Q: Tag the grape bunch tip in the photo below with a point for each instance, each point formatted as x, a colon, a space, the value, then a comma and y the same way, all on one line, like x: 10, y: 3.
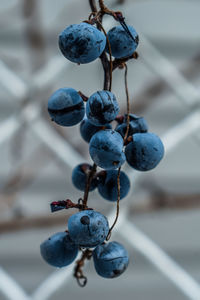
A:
x: 130, y: 141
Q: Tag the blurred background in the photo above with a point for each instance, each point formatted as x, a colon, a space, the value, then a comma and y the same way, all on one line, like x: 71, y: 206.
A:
x: 37, y: 156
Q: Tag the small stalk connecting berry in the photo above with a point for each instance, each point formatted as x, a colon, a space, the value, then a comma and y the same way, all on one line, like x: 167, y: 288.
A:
x: 88, y: 231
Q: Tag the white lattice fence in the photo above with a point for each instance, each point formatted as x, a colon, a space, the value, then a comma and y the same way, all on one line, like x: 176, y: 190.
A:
x: 31, y: 116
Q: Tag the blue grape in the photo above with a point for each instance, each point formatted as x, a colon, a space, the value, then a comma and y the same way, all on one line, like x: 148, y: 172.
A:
x: 81, y: 43
x: 107, y: 185
x: 66, y: 107
x: 106, y: 149
x: 102, y: 108
x: 137, y: 124
x: 88, y: 129
x: 110, y: 260
x: 88, y: 228
x: 145, y: 151
x: 59, y: 250
x: 122, y: 45
x: 80, y: 175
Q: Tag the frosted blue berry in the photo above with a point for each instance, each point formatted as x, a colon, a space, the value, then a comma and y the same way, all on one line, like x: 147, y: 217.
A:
x: 59, y: 250
x: 81, y: 43
x: 102, y: 108
x: 122, y: 45
x: 107, y: 185
x: 87, y: 129
x: 66, y: 107
x: 106, y: 149
x: 79, y: 177
x: 88, y: 228
x: 136, y: 124
x: 145, y: 151
x: 110, y: 260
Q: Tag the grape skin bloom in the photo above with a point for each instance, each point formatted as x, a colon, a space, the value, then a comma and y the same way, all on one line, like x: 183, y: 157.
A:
x: 110, y: 260
x: 106, y: 149
x: 107, y: 186
x: 136, y: 124
x: 122, y: 45
x: 87, y: 129
x: 82, y: 43
x: 145, y: 151
x: 79, y: 177
x: 88, y: 228
x: 102, y: 108
x: 59, y: 250
x: 66, y: 107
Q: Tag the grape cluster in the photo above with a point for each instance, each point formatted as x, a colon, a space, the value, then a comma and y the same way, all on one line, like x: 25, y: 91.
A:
x: 109, y: 148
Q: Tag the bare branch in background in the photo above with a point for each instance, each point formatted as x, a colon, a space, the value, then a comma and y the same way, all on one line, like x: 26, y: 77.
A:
x: 120, y: 1
x: 153, y: 90
x: 34, y: 35
x: 178, y: 202
x: 23, y: 176
x: 25, y: 223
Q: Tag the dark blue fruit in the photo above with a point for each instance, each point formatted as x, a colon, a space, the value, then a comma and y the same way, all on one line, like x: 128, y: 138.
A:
x: 110, y: 260
x: 81, y: 43
x: 79, y: 177
x: 88, y: 129
x: 66, y: 107
x: 107, y: 185
x: 122, y: 45
x: 102, y: 108
x: 88, y: 228
x: 106, y: 149
x: 136, y: 124
x: 145, y: 151
x: 59, y: 250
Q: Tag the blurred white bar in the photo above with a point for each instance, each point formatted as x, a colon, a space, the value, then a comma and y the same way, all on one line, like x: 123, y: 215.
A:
x: 6, y: 6
x: 13, y: 83
x: 178, y: 276
x: 52, y: 283
x: 166, y: 70
x: 8, y: 128
x: 40, y: 80
x: 161, y: 66
x: 60, y: 147
x: 10, y: 288
x: 12, y: 124
x: 190, y: 125
x: 50, y: 72
x: 19, y: 91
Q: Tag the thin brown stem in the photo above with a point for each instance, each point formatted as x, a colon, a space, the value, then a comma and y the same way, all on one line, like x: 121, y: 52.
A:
x: 110, y: 56
x: 102, y: 5
x: 125, y: 138
x: 119, y: 62
x: 104, y: 60
x: 66, y: 204
x: 127, y: 101
x: 78, y: 272
x: 87, y: 188
x: 117, y: 211
x: 105, y: 64
x: 93, y: 5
